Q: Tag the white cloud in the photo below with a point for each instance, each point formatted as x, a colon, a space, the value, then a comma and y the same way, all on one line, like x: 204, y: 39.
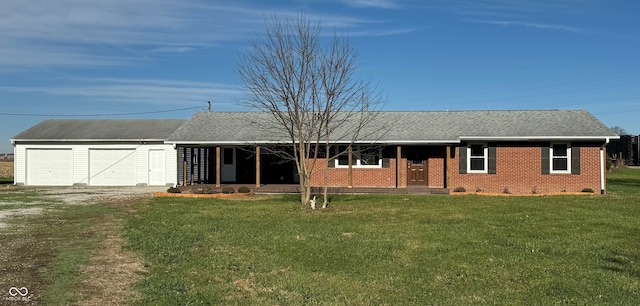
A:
x: 385, y: 4
x: 531, y: 25
x: 138, y: 91
x: 82, y: 33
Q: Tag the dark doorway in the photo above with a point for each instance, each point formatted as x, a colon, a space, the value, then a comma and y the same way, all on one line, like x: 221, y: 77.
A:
x: 275, y: 170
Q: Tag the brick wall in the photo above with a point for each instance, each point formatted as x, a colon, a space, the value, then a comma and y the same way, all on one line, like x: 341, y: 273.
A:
x: 518, y: 170
x: 361, y: 177
x: 435, y: 172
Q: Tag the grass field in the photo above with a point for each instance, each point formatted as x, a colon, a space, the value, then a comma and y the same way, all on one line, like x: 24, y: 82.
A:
x: 363, y: 250
x: 396, y: 249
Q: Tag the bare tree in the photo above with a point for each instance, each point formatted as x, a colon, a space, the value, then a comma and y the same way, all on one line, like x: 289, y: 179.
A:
x: 310, y: 90
x: 619, y: 130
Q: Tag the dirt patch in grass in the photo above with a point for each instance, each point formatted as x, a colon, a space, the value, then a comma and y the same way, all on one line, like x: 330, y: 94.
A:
x: 112, y: 270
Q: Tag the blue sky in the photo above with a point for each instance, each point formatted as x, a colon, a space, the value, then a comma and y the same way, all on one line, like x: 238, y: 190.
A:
x: 166, y: 58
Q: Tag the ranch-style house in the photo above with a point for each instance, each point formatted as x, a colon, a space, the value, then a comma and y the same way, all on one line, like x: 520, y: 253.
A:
x: 520, y: 152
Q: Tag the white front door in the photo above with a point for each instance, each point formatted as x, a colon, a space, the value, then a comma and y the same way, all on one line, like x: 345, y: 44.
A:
x: 228, y: 167
x: 156, y: 168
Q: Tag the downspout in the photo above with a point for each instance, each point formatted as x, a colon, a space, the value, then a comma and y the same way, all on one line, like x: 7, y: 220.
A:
x: 603, y: 166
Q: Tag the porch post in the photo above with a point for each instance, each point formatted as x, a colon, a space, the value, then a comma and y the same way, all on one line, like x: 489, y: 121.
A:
x: 191, y: 167
x: 184, y: 166
x: 447, y: 167
x: 217, y: 166
x: 398, y: 163
x: 257, y: 166
x: 200, y: 166
x: 206, y: 165
x: 350, y: 171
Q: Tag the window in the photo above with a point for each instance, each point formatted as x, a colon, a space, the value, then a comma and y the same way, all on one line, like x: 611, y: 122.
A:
x: 560, y: 158
x: 477, y: 158
x: 362, y: 157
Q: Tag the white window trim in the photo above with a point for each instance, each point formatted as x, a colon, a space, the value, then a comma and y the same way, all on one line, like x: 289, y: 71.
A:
x: 568, y: 171
x: 485, y: 149
x: 357, y: 163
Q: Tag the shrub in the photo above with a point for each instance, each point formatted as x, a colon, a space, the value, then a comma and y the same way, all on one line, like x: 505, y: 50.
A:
x: 174, y: 190
x: 244, y: 189
x: 459, y: 189
x: 227, y: 189
x: 587, y: 190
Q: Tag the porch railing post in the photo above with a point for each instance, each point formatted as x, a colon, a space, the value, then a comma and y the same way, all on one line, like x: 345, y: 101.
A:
x: 257, y: 166
x: 217, y: 166
x: 398, y: 168
x: 447, y: 166
x: 350, y: 171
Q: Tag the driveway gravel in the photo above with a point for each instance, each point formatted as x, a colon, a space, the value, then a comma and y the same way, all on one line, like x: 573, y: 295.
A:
x: 70, y: 196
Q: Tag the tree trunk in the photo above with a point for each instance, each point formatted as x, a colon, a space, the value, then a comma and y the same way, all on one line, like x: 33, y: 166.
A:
x: 325, y: 198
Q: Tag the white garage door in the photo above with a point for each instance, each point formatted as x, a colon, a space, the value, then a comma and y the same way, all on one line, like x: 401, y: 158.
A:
x: 112, y: 167
x: 49, y: 167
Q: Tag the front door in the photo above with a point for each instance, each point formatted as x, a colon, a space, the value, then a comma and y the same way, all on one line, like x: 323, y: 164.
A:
x: 416, y: 174
x: 228, y: 167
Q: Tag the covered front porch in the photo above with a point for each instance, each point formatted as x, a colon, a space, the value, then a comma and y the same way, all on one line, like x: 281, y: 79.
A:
x: 220, y: 165
x: 406, y: 168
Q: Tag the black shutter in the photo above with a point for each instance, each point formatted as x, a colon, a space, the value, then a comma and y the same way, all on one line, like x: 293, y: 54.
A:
x: 575, y: 159
x: 386, y: 163
x: 546, y: 163
x: 492, y: 159
x: 331, y: 163
x: 462, y: 159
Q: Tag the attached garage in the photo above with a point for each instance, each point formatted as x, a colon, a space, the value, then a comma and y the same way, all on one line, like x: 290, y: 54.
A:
x: 96, y: 153
x: 49, y: 167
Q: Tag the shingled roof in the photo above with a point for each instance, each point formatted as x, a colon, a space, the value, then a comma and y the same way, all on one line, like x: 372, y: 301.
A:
x: 101, y: 130
x: 405, y: 127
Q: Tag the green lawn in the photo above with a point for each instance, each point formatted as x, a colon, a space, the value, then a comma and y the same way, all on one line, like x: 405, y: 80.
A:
x: 393, y: 249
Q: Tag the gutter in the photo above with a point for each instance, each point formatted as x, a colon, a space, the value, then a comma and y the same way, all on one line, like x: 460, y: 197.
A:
x: 603, y: 166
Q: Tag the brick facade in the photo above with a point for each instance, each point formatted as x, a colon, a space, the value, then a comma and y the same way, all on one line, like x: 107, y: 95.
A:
x: 518, y: 171
x: 361, y: 177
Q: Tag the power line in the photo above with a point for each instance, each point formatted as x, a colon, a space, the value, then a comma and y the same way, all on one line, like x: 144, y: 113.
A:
x: 97, y: 115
